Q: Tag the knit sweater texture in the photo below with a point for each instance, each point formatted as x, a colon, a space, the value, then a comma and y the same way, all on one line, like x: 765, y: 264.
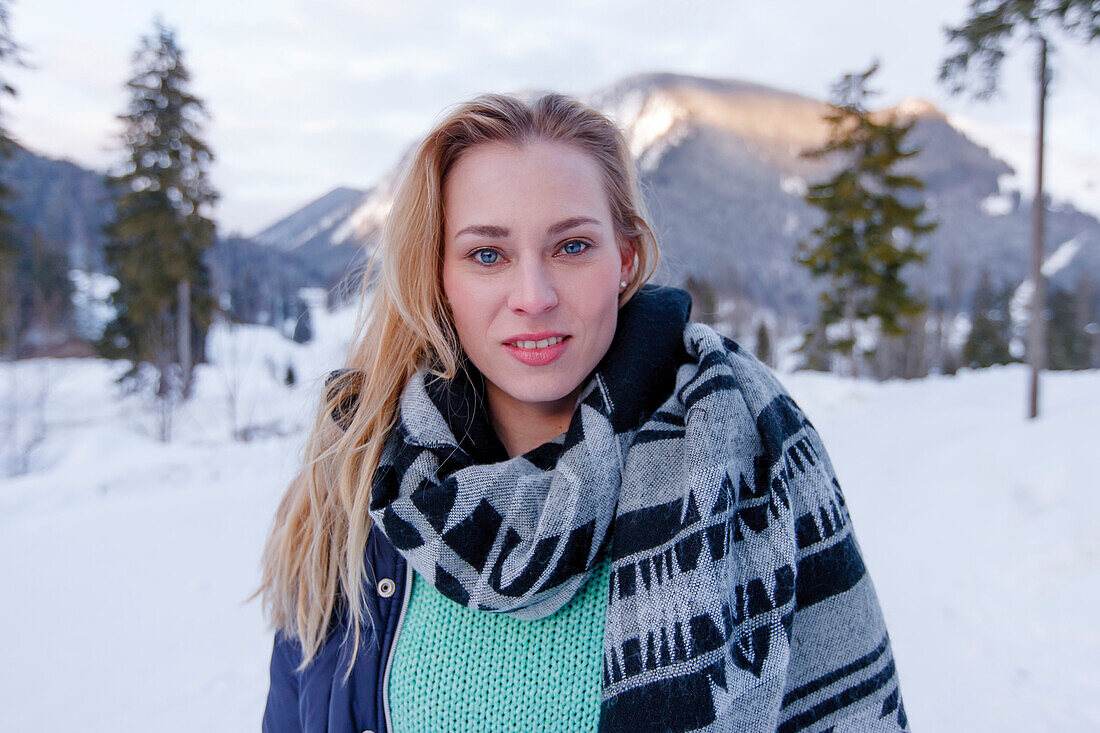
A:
x: 458, y: 668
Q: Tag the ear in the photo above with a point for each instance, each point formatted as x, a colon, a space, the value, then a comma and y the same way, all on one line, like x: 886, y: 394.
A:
x: 627, y: 249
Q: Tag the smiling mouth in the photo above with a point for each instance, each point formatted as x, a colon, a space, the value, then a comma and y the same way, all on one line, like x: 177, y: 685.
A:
x: 533, y: 345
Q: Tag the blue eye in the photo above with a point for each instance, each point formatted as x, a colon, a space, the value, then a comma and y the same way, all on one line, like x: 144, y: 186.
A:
x: 482, y: 260
x: 566, y: 246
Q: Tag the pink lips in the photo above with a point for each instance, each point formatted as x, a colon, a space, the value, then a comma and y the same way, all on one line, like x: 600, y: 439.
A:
x: 537, y: 357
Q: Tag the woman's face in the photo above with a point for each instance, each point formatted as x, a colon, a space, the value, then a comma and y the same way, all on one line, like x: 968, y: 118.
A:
x: 531, y: 268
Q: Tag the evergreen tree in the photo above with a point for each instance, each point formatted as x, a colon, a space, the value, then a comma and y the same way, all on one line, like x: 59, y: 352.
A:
x: 905, y: 355
x: 990, y: 326
x: 704, y: 304
x: 9, y: 249
x: 157, y: 240
x: 45, y: 296
x: 979, y: 44
x: 303, y: 324
x: 857, y: 245
x: 1068, y: 345
x: 815, y: 355
x: 763, y: 349
x: 1088, y: 311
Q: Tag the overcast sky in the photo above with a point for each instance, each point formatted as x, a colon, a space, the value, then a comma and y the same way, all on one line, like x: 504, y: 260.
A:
x: 306, y: 96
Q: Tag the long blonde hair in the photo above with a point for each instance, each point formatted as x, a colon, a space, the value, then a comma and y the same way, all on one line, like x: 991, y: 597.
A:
x: 313, y: 562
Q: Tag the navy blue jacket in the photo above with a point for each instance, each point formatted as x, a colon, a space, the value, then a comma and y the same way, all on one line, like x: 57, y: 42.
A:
x: 317, y: 698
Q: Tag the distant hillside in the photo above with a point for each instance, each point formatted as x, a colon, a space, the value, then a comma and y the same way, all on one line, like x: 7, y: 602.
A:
x: 65, y: 207
x: 313, y: 232
x: 63, y: 202
x: 721, y: 172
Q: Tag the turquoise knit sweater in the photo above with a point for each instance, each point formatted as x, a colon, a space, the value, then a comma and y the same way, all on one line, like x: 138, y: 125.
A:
x: 457, y: 668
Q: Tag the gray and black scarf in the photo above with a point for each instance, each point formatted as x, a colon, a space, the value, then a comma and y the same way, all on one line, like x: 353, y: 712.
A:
x: 739, y: 600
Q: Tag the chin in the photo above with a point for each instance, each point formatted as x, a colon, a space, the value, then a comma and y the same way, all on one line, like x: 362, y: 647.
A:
x: 539, y: 390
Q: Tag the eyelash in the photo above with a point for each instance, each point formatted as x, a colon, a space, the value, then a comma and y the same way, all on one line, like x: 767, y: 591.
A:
x: 474, y: 255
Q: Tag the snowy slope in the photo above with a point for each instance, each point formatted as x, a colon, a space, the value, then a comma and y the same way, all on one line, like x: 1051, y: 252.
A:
x: 126, y: 562
x: 1068, y: 177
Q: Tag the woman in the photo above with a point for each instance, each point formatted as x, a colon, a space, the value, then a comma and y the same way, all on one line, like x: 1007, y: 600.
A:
x: 539, y: 498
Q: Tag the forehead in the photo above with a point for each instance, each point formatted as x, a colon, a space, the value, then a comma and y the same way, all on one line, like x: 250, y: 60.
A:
x: 500, y: 184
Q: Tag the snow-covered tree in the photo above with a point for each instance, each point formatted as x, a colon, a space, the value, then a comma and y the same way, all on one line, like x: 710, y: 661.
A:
x: 161, y: 230
x: 868, y: 232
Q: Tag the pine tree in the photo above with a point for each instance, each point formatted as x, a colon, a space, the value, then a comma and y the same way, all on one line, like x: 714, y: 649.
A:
x: 303, y: 323
x: 857, y: 245
x: 164, y: 303
x: 45, y: 294
x: 763, y: 348
x: 1068, y: 345
x: 990, y: 326
x: 704, y: 304
x: 979, y: 44
x: 815, y: 354
x: 9, y: 250
x: 907, y: 355
x: 1087, y: 299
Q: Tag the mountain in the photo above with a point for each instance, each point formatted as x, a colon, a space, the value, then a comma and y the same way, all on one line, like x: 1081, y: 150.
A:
x: 725, y: 180
x: 313, y: 223
x: 316, y: 232
x: 65, y: 204
x: 1068, y: 178
x: 337, y: 231
x: 65, y: 207
x: 722, y: 176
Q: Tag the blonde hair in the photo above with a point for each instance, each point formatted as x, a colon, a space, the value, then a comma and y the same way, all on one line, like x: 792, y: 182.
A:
x: 313, y: 562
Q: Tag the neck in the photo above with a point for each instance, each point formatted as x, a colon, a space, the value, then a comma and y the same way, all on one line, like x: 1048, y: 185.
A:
x: 523, y: 426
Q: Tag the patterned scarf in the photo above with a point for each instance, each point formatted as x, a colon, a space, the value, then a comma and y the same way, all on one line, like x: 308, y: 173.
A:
x: 739, y: 600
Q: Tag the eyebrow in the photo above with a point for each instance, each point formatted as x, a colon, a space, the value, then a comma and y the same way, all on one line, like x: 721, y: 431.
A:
x: 495, y: 232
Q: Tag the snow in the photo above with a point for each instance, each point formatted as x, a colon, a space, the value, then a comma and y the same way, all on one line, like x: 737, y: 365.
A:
x: 916, y: 107
x: 1020, y: 303
x: 654, y: 122
x: 790, y: 223
x: 325, y: 222
x: 1061, y: 257
x: 371, y: 214
x: 793, y: 185
x: 126, y: 562
x: 977, y: 527
x: 90, y: 298
x: 1067, y: 176
x: 998, y: 204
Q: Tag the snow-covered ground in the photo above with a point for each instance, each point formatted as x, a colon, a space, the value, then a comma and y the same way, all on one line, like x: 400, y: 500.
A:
x: 126, y: 562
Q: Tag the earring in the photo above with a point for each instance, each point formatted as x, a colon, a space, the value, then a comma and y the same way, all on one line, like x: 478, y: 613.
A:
x: 622, y: 284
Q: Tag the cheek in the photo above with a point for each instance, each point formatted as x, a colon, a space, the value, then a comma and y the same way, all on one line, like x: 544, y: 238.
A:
x: 601, y: 290
x: 466, y: 302
x: 596, y: 301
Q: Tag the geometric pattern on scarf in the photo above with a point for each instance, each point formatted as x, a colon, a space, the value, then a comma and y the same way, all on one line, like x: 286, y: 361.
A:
x: 739, y: 600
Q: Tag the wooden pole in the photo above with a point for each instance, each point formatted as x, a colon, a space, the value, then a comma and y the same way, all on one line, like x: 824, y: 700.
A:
x: 183, y: 333
x: 1036, y: 351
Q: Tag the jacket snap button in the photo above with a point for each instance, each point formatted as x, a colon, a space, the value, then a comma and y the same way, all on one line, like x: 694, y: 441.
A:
x: 385, y: 587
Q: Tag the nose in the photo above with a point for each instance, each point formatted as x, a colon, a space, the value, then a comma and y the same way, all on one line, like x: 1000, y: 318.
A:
x: 532, y: 289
